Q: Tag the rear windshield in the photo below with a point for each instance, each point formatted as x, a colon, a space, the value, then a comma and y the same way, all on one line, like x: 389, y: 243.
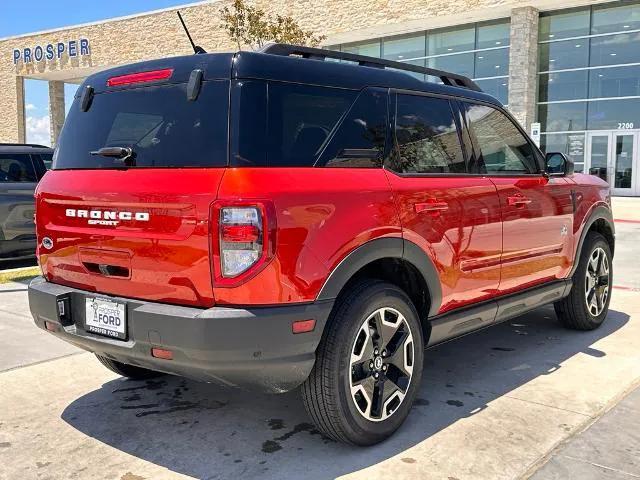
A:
x: 158, y: 123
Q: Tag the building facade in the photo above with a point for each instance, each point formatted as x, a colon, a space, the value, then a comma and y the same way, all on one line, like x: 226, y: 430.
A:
x: 573, y: 66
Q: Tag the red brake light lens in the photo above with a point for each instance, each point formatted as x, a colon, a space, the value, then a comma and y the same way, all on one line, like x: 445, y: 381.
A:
x: 240, y: 233
x: 140, y: 77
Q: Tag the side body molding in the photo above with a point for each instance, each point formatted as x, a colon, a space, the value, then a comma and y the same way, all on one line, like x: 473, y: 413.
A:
x: 376, y: 250
x: 598, y: 213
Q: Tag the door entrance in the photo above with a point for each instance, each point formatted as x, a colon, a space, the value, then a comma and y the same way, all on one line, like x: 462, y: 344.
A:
x: 613, y: 156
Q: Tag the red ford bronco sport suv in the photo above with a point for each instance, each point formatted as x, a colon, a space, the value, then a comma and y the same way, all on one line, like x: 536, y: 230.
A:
x: 273, y: 220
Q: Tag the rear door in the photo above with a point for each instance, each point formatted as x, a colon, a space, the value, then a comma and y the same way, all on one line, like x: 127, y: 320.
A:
x: 537, y: 211
x: 17, y: 183
x: 136, y: 226
x: 454, y: 217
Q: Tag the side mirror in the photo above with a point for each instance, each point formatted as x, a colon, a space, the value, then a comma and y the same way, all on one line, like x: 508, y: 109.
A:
x: 558, y: 165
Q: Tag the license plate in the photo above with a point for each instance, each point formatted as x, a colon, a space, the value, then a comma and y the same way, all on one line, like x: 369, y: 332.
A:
x: 106, y: 317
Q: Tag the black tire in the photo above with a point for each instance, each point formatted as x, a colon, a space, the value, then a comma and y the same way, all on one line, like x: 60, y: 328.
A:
x: 130, y: 371
x: 572, y: 310
x: 327, y: 393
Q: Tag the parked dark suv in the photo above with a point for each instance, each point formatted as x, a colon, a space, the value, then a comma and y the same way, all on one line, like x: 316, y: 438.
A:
x: 22, y: 165
x: 274, y: 220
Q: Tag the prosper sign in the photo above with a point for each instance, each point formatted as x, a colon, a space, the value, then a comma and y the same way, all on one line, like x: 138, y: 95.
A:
x: 73, y: 48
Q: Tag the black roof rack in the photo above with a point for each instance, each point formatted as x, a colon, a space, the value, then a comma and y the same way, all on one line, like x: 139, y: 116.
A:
x: 33, y: 145
x: 448, y: 78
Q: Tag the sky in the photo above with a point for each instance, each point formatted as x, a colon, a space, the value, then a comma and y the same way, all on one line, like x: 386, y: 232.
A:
x: 26, y: 16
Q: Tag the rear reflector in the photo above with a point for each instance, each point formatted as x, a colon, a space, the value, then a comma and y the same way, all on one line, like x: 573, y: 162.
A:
x: 303, y: 326
x: 140, y: 77
x: 52, y: 327
x: 162, y: 353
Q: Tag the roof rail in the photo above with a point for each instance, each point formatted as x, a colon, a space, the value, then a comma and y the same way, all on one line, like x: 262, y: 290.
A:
x: 33, y: 145
x: 448, y: 78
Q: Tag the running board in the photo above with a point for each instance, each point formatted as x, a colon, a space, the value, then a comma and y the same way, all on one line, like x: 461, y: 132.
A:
x: 460, y: 322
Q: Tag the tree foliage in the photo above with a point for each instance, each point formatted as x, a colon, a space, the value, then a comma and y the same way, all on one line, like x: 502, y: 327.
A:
x: 248, y: 25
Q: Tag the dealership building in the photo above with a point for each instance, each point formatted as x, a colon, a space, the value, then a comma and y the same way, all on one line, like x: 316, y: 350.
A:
x: 571, y: 66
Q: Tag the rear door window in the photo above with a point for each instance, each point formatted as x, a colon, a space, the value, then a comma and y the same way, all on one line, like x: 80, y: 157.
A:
x: 284, y: 125
x: 162, y: 127
x: 427, y: 136
x: 16, y: 168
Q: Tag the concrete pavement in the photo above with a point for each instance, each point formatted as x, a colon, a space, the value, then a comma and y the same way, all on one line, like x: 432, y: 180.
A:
x: 21, y: 342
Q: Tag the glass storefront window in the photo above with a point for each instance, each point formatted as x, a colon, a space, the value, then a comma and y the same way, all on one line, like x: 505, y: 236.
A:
x: 496, y: 87
x: 461, y: 64
x: 615, y: 49
x: 571, y: 144
x: 614, y: 114
x: 562, y: 86
x: 492, y: 63
x: 614, y: 82
x: 563, y: 117
x: 565, y: 54
x: 370, y: 49
x: 403, y: 48
x: 493, y: 35
x: 442, y: 42
x: 618, y: 18
x: 572, y: 23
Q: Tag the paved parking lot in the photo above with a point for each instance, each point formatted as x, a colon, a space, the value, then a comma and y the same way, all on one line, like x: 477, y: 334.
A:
x: 496, y: 404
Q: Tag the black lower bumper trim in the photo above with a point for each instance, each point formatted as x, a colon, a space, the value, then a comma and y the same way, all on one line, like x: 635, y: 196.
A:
x: 251, y: 348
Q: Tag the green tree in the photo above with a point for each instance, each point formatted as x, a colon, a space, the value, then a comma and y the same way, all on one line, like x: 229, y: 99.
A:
x: 248, y: 25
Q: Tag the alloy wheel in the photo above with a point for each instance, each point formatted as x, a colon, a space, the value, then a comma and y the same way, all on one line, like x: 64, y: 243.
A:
x: 597, y: 282
x: 381, y: 364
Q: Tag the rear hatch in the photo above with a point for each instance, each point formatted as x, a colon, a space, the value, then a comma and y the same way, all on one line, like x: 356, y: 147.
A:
x: 125, y: 208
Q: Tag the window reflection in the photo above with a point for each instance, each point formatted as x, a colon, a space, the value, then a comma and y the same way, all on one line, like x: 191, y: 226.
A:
x: 427, y: 137
x: 571, y: 23
x: 614, y: 82
x: 562, y: 86
x: 563, y: 117
x: 493, y: 35
x: 492, y: 63
x: 611, y: 114
x: 615, y: 49
x: 565, y: 54
x: 461, y: 64
x: 370, y: 49
x: 496, y: 87
x: 450, y: 41
x: 403, y: 48
x: 607, y: 18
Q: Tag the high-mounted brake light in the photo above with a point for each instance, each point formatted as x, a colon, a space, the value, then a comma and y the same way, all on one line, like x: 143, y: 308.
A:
x: 140, y: 77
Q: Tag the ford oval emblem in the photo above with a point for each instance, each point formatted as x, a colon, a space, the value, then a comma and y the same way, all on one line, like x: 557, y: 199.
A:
x: 47, y: 243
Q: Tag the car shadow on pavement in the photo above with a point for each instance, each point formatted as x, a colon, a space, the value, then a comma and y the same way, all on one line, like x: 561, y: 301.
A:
x: 206, y: 431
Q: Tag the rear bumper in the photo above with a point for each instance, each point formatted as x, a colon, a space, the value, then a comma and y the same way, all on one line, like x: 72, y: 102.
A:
x: 250, y: 348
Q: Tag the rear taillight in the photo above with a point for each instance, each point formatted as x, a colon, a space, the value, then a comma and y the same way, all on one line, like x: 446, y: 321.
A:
x: 241, y: 239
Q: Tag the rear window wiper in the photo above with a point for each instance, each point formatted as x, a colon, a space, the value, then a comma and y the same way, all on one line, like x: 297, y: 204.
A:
x: 126, y: 154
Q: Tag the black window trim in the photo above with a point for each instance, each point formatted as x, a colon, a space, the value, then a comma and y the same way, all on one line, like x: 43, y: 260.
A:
x: 456, y: 102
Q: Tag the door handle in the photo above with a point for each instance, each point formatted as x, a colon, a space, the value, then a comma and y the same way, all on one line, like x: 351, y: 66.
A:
x: 431, y: 207
x: 518, y: 201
